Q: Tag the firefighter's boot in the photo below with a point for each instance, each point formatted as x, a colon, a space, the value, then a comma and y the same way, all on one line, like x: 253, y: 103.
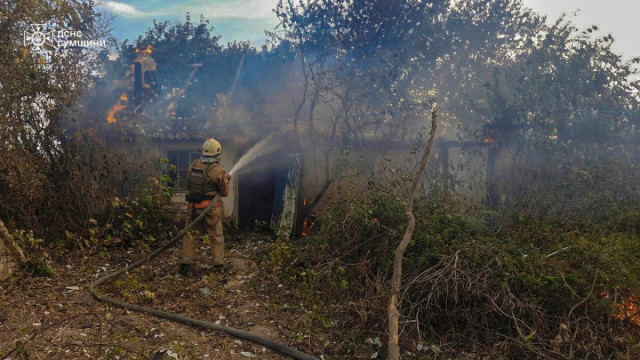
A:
x: 218, y: 254
x: 188, y: 255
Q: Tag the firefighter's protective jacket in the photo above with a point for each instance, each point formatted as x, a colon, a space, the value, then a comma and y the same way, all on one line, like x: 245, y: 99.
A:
x: 207, y: 179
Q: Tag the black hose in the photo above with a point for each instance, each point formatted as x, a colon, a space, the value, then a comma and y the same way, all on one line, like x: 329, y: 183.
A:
x: 246, y: 335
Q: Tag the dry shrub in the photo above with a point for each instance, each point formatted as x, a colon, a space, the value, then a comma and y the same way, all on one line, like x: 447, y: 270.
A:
x: 22, y: 187
x: 67, y: 194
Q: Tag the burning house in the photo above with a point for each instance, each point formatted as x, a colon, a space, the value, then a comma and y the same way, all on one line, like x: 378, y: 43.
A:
x: 282, y: 183
x: 266, y: 196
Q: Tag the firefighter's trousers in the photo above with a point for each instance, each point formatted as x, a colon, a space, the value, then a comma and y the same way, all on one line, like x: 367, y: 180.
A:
x: 211, y: 226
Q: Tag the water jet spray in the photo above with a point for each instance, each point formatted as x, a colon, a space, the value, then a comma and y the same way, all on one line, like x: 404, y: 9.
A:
x: 263, y: 147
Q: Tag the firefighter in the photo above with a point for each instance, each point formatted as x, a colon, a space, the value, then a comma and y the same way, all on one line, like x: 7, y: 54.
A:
x: 207, y: 181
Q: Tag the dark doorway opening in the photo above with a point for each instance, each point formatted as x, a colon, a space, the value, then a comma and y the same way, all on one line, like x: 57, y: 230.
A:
x: 268, y: 194
x: 256, y: 192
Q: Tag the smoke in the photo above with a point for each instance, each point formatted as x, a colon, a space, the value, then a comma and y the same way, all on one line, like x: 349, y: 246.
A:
x: 266, y: 146
x: 337, y: 106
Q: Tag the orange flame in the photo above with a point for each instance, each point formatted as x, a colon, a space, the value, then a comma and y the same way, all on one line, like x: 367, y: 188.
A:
x: 118, y: 107
x: 305, y: 225
x: 305, y: 222
x: 111, y: 117
x: 630, y: 309
x: 145, y: 51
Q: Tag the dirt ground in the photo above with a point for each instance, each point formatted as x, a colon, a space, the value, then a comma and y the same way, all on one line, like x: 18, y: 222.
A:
x: 56, y: 318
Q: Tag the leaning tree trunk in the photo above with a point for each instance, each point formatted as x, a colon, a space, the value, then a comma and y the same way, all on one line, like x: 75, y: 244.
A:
x: 392, y: 311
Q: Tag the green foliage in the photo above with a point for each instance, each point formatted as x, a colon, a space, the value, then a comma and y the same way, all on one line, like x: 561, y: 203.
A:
x: 132, y: 287
x: 38, y: 263
x: 37, y: 169
x: 27, y: 241
x: 279, y: 254
x: 80, y: 187
x: 42, y: 269
x: 474, y: 276
x: 140, y: 218
x: 567, y: 89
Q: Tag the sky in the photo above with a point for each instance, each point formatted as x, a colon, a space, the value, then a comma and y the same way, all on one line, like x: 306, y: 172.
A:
x: 248, y: 19
x: 615, y: 17
x: 232, y: 19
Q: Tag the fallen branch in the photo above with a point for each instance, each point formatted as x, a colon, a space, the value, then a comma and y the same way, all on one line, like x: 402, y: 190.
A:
x: 396, y: 280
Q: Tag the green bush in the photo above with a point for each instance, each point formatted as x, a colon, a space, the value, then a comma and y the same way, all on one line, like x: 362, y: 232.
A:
x: 140, y: 218
x: 513, y: 285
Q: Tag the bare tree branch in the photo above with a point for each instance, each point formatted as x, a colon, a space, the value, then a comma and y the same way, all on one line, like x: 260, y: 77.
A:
x: 396, y: 280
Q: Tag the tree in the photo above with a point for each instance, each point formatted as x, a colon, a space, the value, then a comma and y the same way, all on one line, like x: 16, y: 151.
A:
x: 39, y: 91
x: 568, y: 89
x: 31, y: 110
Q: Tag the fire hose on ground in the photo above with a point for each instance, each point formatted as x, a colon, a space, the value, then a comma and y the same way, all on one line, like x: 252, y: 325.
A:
x: 246, y: 335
